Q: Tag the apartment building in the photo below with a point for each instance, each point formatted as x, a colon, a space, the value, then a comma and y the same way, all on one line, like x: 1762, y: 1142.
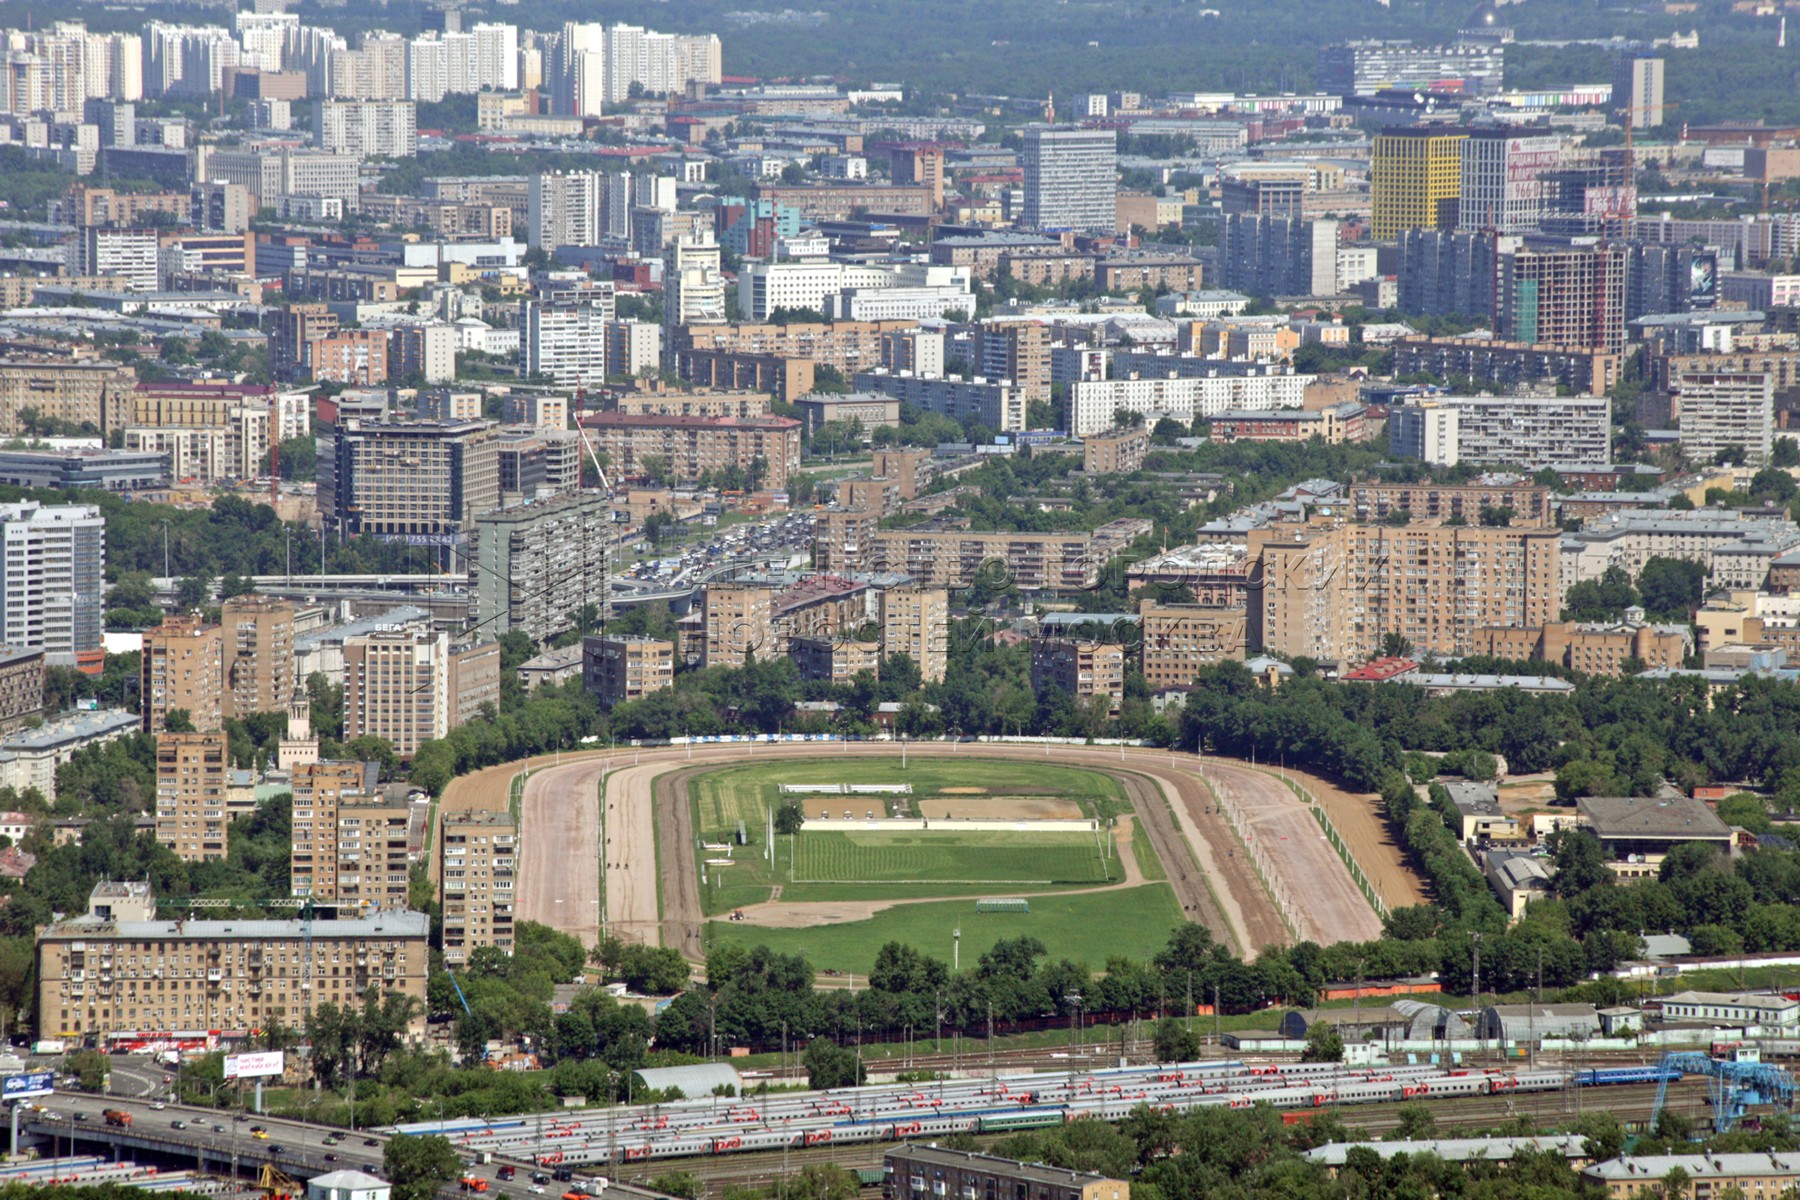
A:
x: 1717, y: 412
x: 1083, y: 669
x: 843, y: 538
x: 1071, y: 178
x: 96, y: 393
x: 1709, y: 1176
x: 1333, y: 592
x: 767, y: 448
x: 407, y: 478
x: 478, y: 873
x: 358, y: 357
x: 915, y: 621
x: 52, y: 579
x: 1094, y: 404
x: 947, y: 555
x: 1592, y: 648
x: 565, y: 209
x: 921, y: 1172
x: 397, y: 687
x: 1523, y: 502
x: 1346, y: 422
x: 1529, y: 432
x: 534, y: 567
x: 115, y: 969
x: 350, y: 840
x: 1585, y: 372
x: 820, y: 606
x: 190, y: 795
x: 996, y: 403
x: 1118, y: 453
x: 257, y: 648
x: 739, y: 619
x: 21, y: 685
x: 183, y: 669
x: 847, y: 346
x: 1179, y: 639
x: 833, y: 659
x: 1737, y: 549
x: 1415, y: 180
x: 565, y: 337
x: 619, y: 668
x: 1570, y: 297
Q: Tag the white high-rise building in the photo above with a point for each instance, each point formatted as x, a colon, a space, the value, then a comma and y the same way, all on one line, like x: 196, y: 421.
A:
x: 564, y: 209
x: 366, y: 128
x: 1718, y: 411
x: 1071, y: 178
x: 565, y: 337
x: 625, y: 61
x: 427, y: 70
x: 693, y: 283
x: 459, y: 64
x: 266, y: 37
x: 126, y: 52
x: 1504, y: 179
x: 52, y: 589
x: 496, y: 56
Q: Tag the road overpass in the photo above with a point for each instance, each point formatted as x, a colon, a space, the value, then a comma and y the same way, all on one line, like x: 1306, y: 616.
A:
x: 215, y: 1142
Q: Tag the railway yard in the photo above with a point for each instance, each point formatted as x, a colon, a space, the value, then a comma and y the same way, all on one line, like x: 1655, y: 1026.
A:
x: 722, y: 1126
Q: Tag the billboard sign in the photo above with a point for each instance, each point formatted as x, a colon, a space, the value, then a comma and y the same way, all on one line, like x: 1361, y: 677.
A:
x: 261, y: 1065
x: 1703, y: 281
x: 17, y: 1087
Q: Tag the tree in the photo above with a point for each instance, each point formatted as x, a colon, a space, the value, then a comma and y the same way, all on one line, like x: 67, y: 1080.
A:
x: 89, y: 1068
x: 420, y: 1166
x: 1395, y: 645
x: 789, y: 818
x: 1323, y: 1043
x: 829, y: 1065
x: 193, y: 591
x: 1672, y: 588
x: 1175, y: 1042
x: 1413, y: 1122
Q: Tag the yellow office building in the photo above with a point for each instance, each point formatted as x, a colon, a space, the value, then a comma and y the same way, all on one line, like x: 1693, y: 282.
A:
x: 1415, y: 179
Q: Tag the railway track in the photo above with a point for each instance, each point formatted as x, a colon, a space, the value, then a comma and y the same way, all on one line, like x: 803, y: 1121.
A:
x: 1473, y: 1114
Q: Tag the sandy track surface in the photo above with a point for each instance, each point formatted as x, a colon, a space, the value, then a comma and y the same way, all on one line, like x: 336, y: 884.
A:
x: 559, y: 874
x: 1192, y: 842
x: 1325, y: 904
x: 1362, y: 824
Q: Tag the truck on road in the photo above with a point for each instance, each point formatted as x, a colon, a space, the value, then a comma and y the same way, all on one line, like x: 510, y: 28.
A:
x: 114, y: 1117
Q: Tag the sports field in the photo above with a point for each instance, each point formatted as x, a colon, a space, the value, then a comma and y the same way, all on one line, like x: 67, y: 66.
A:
x: 832, y: 865
x: 1088, y: 928
x: 950, y: 856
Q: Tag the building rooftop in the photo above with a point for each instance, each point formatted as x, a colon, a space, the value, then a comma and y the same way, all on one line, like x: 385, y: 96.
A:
x: 1675, y: 818
x: 392, y: 924
x: 1039, y: 1173
x: 401, y: 615
x: 1652, y: 1169
x: 1491, y: 1149
x: 696, y: 1082
x: 553, y: 660
x: 1472, y: 798
x: 1519, y: 870
x: 1487, y: 683
x: 1755, y: 1000
x: 71, y: 727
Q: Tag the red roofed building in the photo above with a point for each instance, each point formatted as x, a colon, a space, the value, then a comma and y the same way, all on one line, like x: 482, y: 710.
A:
x: 1380, y: 670
x: 690, y: 447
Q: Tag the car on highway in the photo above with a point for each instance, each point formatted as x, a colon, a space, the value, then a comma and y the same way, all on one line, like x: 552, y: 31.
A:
x: 539, y: 1177
x: 371, y: 1141
x: 158, y: 1105
x: 257, y: 1131
x: 331, y: 1158
x: 240, y: 1118
x: 80, y: 1116
x: 177, y: 1124
x: 507, y: 1172
x: 218, y: 1129
x: 536, y: 1189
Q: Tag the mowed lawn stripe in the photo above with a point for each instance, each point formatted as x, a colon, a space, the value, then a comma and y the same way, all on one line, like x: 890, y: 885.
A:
x: 949, y: 857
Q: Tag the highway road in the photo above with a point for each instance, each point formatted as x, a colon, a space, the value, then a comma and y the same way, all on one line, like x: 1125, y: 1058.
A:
x: 299, y: 1148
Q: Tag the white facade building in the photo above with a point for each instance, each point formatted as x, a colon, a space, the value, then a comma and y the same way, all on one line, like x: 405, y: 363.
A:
x: 367, y: 128
x: 1717, y: 410
x: 564, y: 209
x: 566, y: 339
x: 1093, y: 403
x: 52, y: 589
x: 1071, y: 178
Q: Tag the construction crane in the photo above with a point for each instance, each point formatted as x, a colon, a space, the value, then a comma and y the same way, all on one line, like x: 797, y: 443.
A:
x: 275, y: 1184
x: 1736, y: 1084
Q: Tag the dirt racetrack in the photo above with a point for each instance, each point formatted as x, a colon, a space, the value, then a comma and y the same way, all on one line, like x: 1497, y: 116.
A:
x: 1174, y: 807
x: 1321, y: 898
x: 1360, y: 823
